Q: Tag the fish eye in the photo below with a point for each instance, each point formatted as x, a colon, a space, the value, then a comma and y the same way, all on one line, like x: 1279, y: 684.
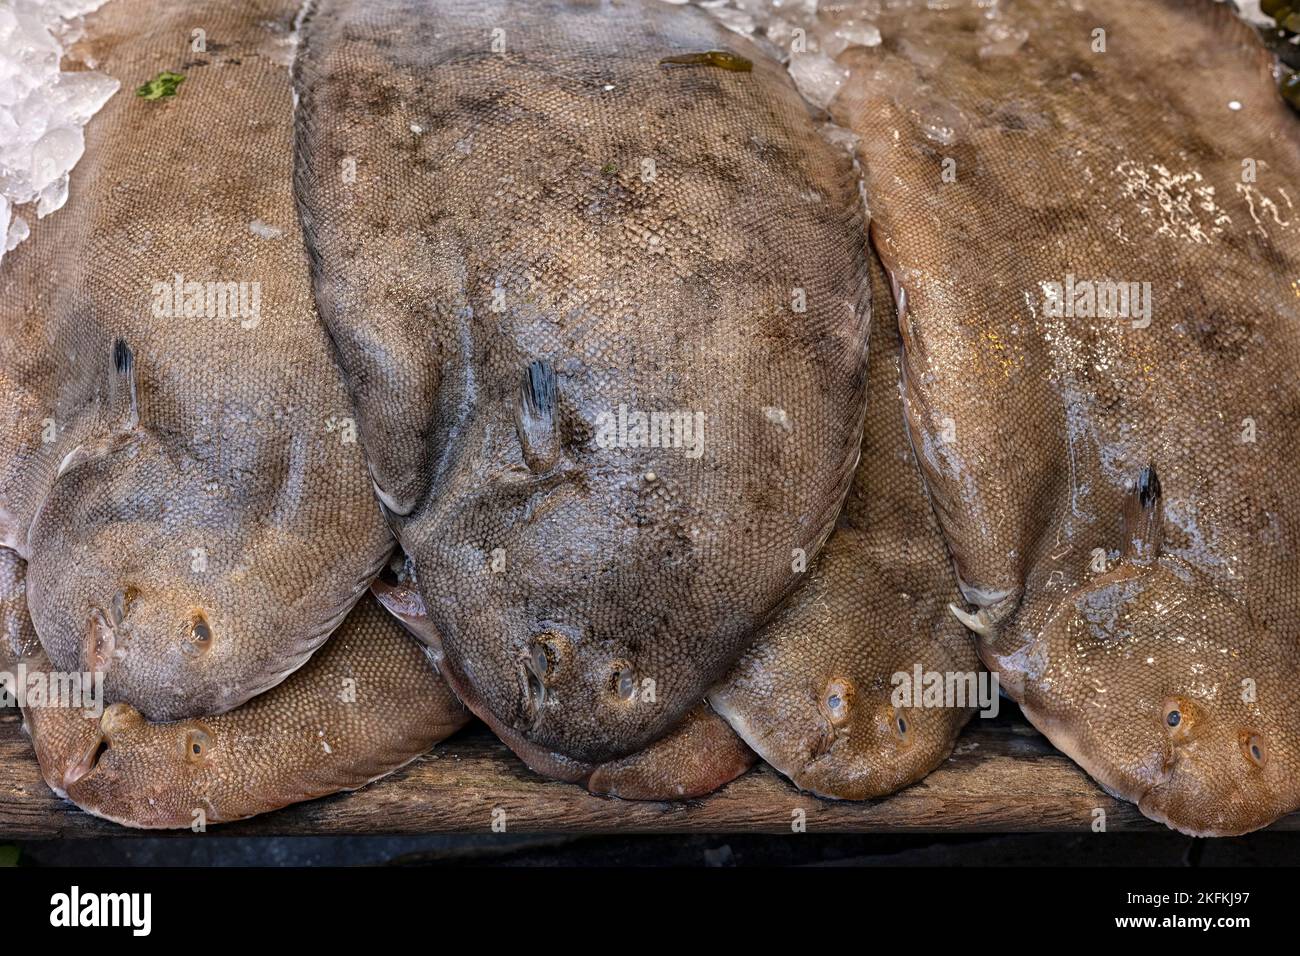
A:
x: 1253, y: 746
x: 1179, y: 717
x: 837, y: 696
x: 197, y: 744
x: 122, y: 603
x: 536, y: 690
x: 200, y: 630
x: 900, y: 725
x: 198, y: 636
x: 623, y: 680
x: 542, y: 657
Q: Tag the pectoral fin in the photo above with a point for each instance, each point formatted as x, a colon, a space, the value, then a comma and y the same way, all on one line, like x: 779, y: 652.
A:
x: 1143, y: 517
x: 122, y: 419
x: 535, y: 417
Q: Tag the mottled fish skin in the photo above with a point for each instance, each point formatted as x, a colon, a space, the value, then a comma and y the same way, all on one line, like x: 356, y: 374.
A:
x: 1160, y: 652
x: 532, y: 239
x: 816, y: 694
x: 366, y: 704
x: 695, y: 758
x: 210, y: 525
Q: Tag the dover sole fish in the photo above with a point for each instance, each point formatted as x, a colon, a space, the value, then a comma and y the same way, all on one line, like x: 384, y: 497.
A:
x: 829, y: 692
x: 366, y: 704
x: 1095, y: 254
x: 602, y: 297
x: 173, y: 417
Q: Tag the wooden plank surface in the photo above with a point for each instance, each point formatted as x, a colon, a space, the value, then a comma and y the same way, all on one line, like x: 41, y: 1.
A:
x: 1003, y: 777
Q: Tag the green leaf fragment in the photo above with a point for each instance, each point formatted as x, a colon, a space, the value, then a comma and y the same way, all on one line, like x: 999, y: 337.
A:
x: 8, y: 856
x: 161, y: 86
x: 1291, y: 90
x: 1275, y: 8
x: 723, y: 59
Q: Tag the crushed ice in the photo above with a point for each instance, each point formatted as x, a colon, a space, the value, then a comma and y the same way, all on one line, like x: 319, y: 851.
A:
x: 42, y: 109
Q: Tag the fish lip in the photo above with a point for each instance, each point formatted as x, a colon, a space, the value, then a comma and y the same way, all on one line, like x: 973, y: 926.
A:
x: 1152, y: 803
x: 87, y: 762
x: 533, y: 703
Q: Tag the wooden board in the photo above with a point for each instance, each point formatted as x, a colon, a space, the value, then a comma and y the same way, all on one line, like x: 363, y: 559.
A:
x: 1003, y: 777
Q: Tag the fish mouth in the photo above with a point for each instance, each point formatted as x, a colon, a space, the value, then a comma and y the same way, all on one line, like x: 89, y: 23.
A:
x: 87, y: 761
x: 533, y: 687
x: 1166, y: 803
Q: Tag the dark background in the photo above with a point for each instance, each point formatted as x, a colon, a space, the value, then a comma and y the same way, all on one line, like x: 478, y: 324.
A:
x: 808, y: 849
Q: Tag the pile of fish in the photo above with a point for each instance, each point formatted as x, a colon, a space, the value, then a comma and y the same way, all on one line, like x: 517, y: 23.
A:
x: 394, y: 362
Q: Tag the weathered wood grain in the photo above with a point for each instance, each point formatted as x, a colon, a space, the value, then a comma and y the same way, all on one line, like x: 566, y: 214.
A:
x: 1004, y: 777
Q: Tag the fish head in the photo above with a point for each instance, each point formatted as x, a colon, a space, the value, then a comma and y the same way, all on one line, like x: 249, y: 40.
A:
x: 544, y: 621
x: 142, y: 573
x: 572, y: 601
x: 1166, y: 691
x: 832, y: 736
x: 156, y: 775
x: 873, y: 743
x: 855, y: 689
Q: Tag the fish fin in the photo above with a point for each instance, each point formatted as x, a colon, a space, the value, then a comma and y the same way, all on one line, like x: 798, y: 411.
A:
x: 535, y: 417
x: 123, y: 398
x: 697, y: 757
x: 980, y: 621
x: 404, y: 602
x: 122, y: 418
x: 1143, y: 518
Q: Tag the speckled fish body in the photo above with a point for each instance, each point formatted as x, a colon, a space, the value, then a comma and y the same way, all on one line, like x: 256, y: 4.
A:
x: 860, y: 684
x: 366, y: 704
x: 177, y: 468
x: 1096, y: 249
x: 602, y: 298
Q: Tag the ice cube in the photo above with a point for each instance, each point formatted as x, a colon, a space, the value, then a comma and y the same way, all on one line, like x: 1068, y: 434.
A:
x: 42, y: 111
x: 1001, y: 39
x: 55, y: 154
x: 17, y: 232
x: 847, y: 34
x: 52, y: 197
x: 737, y: 21
x: 818, y: 77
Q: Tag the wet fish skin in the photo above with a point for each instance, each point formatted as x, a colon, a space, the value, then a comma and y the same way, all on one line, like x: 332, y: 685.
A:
x: 818, y: 693
x: 204, y: 489
x: 663, y: 286
x: 1034, y: 431
x: 366, y: 704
